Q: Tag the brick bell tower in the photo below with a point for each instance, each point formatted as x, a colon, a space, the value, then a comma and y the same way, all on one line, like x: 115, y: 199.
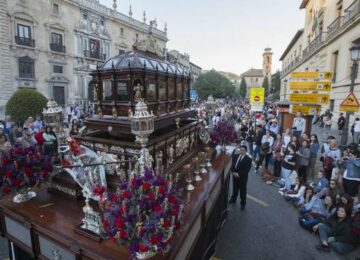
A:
x: 267, y: 61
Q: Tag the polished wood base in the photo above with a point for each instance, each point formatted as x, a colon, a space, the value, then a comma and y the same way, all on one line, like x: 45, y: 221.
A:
x: 87, y: 233
x: 50, y: 230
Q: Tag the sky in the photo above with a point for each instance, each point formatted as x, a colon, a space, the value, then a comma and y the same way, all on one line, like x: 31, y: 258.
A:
x: 226, y: 35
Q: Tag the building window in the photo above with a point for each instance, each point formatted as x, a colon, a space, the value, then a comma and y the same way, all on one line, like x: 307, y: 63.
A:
x: 58, y: 69
x: 55, y: 9
x: 24, y: 31
x: 122, y: 32
x: 26, y: 67
x: 85, y: 16
x: 331, y: 105
x: 56, y: 43
x: 137, y: 37
x: 102, y: 22
x: 121, y: 51
x: 334, y: 62
x: 23, y: 36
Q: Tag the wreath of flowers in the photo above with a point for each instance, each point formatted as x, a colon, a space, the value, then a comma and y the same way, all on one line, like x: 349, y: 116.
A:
x: 143, y: 213
x: 23, y: 168
x: 224, y: 133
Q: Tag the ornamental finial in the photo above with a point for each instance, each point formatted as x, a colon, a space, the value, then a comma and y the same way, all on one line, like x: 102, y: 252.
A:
x: 144, y: 17
x: 114, y: 5
x: 130, y: 11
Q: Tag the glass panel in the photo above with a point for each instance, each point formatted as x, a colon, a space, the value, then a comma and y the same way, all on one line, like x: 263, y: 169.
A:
x: 151, y: 92
x: 24, y: 31
x: 162, y: 89
x: 56, y: 39
x: 171, y: 89
x: 122, y: 91
x: 179, y: 93
x: 107, y: 93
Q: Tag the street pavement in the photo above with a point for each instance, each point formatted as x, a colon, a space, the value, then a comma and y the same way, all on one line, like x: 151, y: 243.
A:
x: 268, y: 228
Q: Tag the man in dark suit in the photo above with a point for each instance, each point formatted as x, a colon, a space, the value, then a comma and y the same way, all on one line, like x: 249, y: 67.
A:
x: 241, y: 165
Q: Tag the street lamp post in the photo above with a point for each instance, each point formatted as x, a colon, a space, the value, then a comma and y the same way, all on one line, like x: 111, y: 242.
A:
x: 355, y: 57
x: 285, y: 86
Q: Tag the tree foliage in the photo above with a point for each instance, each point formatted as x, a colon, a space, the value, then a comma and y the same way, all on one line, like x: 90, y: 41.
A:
x: 276, y: 85
x: 265, y: 85
x: 24, y: 103
x: 215, y: 84
x: 243, y: 88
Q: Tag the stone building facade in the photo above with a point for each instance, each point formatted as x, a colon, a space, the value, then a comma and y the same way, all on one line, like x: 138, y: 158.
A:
x: 53, y: 45
x: 254, y: 77
x: 331, y: 28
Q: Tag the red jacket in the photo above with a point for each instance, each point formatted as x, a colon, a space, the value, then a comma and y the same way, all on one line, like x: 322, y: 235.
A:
x: 39, y: 138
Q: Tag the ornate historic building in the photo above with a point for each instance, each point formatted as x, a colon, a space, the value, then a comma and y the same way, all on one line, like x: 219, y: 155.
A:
x: 254, y: 77
x: 53, y: 45
x: 331, y: 28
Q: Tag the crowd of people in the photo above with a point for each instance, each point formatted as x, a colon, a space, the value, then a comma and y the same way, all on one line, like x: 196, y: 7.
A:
x: 35, y: 133
x: 321, y: 180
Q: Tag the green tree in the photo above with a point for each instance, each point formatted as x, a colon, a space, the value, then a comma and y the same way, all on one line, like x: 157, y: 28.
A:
x: 276, y: 84
x: 215, y: 84
x: 243, y: 88
x: 24, y: 103
x: 265, y: 85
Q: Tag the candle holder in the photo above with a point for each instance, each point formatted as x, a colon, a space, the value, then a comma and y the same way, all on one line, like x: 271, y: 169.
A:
x: 208, y: 151
x: 196, y: 168
x: 188, y: 174
x: 203, y: 162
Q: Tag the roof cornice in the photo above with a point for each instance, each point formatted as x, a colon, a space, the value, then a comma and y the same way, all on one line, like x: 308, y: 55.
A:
x: 304, y: 4
x: 291, y: 44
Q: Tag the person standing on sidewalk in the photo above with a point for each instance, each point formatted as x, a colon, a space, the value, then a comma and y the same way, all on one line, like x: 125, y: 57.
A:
x: 357, y: 130
x: 298, y: 124
x: 314, y: 148
x: 304, y: 160
x: 240, y: 169
x: 341, y: 123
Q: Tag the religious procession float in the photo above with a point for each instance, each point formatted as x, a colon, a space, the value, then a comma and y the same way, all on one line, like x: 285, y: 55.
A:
x: 140, y: 181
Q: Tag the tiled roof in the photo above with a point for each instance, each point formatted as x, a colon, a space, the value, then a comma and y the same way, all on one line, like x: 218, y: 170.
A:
x: 253, y: 73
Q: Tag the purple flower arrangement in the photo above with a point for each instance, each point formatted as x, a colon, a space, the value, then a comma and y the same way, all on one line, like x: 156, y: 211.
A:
x: 143, y: 213
x: 224, y: 133
x: 23, y: 168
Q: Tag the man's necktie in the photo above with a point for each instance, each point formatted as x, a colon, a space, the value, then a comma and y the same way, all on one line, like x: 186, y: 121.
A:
x: 239, y: 160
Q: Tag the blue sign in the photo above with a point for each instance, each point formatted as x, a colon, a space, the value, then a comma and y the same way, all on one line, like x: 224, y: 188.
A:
x: 193, y: 95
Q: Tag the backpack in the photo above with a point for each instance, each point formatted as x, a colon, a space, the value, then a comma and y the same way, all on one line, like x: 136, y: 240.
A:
x: 265, y: 148
x: 328, y: 163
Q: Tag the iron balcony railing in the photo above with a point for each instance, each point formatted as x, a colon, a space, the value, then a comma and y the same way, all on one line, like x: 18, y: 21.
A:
x: 25, y: 41
x: 351, y: 11
x: 334, y: 26
x: 57, y: 47
x: 94, y: 55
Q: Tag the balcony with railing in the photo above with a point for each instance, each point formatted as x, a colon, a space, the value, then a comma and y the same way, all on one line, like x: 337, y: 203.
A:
x: 25, y: 41
x: 57, y: 47
x: 334, y: 26
x: 323, y: 38
x: 94, y: 55
x: 351, y: 11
